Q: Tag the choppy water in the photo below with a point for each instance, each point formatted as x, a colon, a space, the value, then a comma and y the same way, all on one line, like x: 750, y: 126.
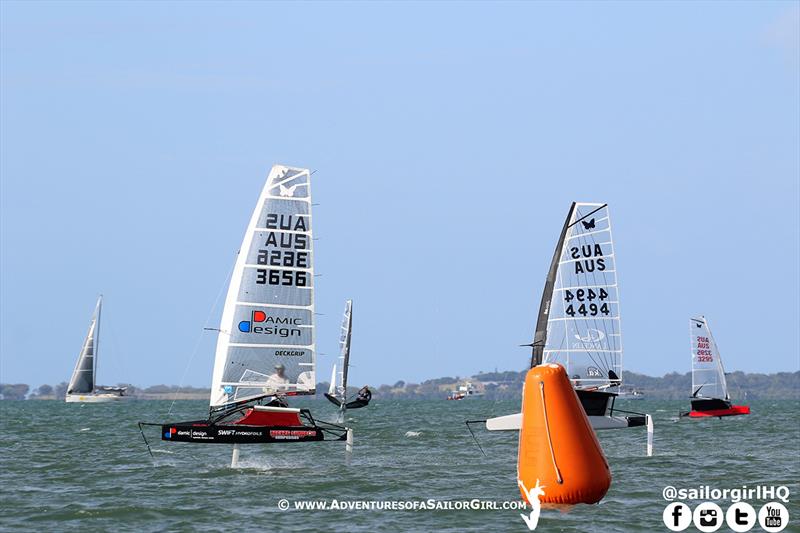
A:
x: 84, y: 467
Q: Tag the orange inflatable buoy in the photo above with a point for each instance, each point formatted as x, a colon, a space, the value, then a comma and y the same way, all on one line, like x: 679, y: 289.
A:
x: 558, y: 450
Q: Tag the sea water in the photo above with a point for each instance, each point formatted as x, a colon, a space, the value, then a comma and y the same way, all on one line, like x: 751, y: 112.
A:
x: 70, y: 467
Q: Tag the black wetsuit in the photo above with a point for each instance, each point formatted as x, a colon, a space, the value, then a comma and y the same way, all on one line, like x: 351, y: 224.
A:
x: 364, y: 395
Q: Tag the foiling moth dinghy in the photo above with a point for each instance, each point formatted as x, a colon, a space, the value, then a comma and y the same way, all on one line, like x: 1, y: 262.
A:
x: 266, y: 347
x: 82, y: 388
x: 578, y: 324
x: 710, y: 396
x: 337, y: 393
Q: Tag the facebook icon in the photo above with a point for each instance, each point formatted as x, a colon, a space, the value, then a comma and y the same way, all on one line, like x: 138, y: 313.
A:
x: 677, y: 516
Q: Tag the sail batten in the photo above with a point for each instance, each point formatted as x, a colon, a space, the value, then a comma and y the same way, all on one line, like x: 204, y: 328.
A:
x: 266, y: 343
x: 579, y: 321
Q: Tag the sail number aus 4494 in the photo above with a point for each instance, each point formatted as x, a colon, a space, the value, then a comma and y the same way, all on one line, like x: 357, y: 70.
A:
x: 587, y: 295
x: 588, y: 310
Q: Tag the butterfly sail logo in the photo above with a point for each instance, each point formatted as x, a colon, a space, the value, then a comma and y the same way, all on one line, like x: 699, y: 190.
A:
x: 289, y: 191
x: 532, y: 495
x: 282, y: 180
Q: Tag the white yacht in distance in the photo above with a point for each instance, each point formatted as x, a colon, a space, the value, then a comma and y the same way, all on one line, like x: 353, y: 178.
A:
x: 82, y: 383
x: 464, y: 391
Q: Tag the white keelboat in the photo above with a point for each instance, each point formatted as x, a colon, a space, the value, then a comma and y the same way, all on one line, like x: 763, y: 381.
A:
x: 82, y: 388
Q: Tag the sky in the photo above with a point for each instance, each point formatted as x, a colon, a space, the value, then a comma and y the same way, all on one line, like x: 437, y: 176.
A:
x: 447, y: 139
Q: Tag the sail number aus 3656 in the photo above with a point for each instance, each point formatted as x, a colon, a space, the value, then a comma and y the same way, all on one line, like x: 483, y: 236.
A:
x: 282, y: 277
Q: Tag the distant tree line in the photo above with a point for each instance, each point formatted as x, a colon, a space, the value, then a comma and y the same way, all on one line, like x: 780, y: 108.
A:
x: 496, y: 385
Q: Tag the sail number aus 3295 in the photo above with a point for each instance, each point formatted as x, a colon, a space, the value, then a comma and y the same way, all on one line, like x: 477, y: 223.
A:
x: 704, y: 354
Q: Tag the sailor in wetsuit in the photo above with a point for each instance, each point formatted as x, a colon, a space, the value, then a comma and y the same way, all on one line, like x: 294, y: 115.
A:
x: 364, y: 394
x: 276, y: 382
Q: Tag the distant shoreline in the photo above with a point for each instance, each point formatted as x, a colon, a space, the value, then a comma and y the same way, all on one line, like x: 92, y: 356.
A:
x: 494, y: 385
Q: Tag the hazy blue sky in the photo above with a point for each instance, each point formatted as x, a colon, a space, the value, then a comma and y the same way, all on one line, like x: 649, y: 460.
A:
x: 448, y: 141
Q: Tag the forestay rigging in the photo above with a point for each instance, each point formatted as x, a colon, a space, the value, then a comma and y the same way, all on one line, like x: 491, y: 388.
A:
x: 579, y: 321
x: 82, y: 380
x: 266, y: 343
x: 708, y: 375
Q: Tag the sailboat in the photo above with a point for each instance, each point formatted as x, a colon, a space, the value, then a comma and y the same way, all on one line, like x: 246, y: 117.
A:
x: 266, y: 349
x: 337, y: 393
x: 81, y: 388
x: 709, y: 388
x: 578, y: 325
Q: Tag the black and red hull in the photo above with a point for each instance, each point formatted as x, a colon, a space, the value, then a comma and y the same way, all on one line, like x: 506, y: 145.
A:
x: 712, y: 407
x: 252, y: 425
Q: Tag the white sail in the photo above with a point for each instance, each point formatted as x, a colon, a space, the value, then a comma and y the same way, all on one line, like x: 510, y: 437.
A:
x: 332, y: 386
x: 583, y: 320
x: 83, y: 377
x: 708, y: 375
x: 266, y: 343
x: 344, y: 349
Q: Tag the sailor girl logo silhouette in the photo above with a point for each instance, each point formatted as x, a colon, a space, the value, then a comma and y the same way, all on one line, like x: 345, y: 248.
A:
x: 532, y: 496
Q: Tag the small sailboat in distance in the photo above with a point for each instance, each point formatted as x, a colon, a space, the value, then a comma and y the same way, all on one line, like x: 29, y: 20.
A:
x: 81, y: 388
x: 709, y: 387
x: 337, y: 393
x: 266, y: 346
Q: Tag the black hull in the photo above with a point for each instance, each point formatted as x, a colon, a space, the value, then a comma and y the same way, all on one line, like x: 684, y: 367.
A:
x: 596, y: 403
x: 355, y: 404
x: 601, y: 403
x: 333, y: 399
x: 710, y: 404
x: 197, y: 432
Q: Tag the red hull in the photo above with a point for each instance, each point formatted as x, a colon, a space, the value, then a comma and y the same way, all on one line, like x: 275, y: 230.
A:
x: 733, y: 411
